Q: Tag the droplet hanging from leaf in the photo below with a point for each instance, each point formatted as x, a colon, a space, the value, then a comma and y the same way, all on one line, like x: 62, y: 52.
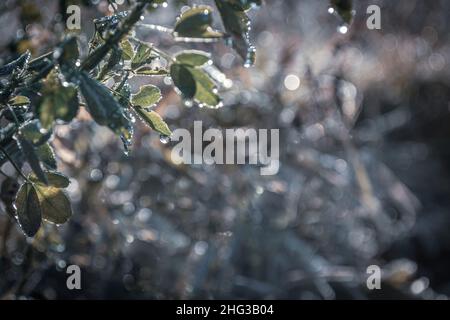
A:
x: 237, y: 26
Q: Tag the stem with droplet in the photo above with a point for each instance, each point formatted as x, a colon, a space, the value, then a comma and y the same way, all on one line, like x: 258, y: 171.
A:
x: 98, y: 54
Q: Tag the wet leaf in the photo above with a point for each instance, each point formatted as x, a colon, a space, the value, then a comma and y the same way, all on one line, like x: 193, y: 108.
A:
x: 29, y: 212
x: 237, y: 25
x: 18, y: 101
x: 102, y: 105
x: 55, y: 179
x: 154, y: 120
x: 31, y: 131
x: 147, y: 71
x: 205, y: 92
x: 32, y: 158
x: 194, y: 83
x: 127, y: 50
x: 193, y: 58
x: 183, y: 80
x: 47, y: 156
x: 147, y: 96
x: 144, y: 55
x: 60, y: 102
x: 54, y: 203
x: 196, y: 23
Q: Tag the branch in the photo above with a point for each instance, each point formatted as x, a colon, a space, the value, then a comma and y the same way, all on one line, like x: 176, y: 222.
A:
x: 98, y: 54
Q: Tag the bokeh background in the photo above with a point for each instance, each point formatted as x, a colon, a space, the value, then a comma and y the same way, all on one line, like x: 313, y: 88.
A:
x: 364, y: 121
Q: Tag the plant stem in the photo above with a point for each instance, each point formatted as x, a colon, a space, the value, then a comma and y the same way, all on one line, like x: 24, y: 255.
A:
x: 163, y: 54
x: 98, y: 54
x: 155, y: 27
x: 13, y: 163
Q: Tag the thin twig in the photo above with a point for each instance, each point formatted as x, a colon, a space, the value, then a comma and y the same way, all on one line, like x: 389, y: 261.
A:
x: 98, y: 54
x: 13, y: 163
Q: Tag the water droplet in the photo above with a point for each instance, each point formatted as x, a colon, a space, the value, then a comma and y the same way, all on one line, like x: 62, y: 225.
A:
x: 126, y: 140
x: 343, y: 29
x: 250, y: 58
x: 164, y: 139
x: 57, y: 53
x: 96, y: 175
x: 130, y: 238
x: 259, y: 190
x: 229, y: 41
x: 292, y: 82
x: 167, y: 81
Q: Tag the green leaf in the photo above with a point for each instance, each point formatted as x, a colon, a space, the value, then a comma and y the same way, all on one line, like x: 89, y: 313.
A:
x: 31, y: 131
x: 29, y: 212
x: 183, y: 80
x: 127, y: 50
x: 147, y: 96
x: 147, y: 71
x: 47, y: 156
x: 154, y: 120
x: 60, y: 102
x: 144, y: 55
x: 18, y: 101
x: 32, y: 158
x: 102, y: 105
x: 196, y: 23
x: 55, y: 179
x: 193, y: 58
x: 205, y: 93
x: 194, y: 83
x: 54, y: 203
x: 237, y: 25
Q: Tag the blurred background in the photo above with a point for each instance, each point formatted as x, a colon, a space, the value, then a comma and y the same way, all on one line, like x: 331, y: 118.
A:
x: 364, y: 121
